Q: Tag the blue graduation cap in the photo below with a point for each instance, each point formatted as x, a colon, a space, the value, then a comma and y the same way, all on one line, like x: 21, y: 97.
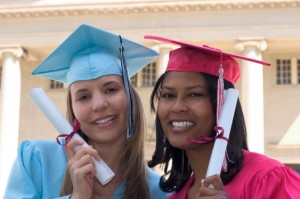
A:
x: 89, y: 53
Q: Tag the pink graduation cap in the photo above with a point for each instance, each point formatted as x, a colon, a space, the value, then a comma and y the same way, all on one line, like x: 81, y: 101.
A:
x: 206, y: 59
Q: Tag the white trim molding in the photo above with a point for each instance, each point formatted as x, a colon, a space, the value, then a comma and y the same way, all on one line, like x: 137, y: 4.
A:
x: 34, y: 11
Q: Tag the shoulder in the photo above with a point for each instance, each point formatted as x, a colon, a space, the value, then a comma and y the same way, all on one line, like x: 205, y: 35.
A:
x: 38, y: 144
x: 38, y: 170
x: 263, y: 176
x: 41, y: 150
x: 152, y: 175
x: 253, y: 155
x: 273, y: 179
x: 260, y: 162
x: 259, y: 167
x: 153, y: 179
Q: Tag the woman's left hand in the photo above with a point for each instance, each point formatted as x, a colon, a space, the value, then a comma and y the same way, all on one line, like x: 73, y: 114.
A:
x: 212, y: 187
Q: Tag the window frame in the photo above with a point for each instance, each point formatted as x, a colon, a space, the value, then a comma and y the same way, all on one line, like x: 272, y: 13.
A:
x: 294, y: 70
x: 53, y: 85
x: 152, y: 67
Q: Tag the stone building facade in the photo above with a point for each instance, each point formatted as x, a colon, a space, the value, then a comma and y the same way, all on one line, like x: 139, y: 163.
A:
x: 261, y: 29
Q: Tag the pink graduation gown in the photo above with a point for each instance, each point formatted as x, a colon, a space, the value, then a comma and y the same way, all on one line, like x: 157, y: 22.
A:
x: 260, y: 178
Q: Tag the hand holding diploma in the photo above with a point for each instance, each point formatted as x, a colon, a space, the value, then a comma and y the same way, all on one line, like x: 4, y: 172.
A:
x: 206, y: 189
x: 104, y: 173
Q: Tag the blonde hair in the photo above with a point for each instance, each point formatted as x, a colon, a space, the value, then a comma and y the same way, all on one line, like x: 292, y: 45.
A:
x: 132, y: 165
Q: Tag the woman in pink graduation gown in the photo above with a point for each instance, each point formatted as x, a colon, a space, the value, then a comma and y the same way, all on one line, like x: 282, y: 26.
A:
x: 186, y: 96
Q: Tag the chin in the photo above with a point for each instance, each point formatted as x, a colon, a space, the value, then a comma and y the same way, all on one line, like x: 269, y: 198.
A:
x: 180, y: 144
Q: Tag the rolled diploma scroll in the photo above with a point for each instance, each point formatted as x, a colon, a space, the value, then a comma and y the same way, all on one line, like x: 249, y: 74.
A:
x: 104, y: 174
x: 226, y: 117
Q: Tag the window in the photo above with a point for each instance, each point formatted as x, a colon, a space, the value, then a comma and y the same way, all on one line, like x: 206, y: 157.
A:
x: 283, y: 67
x: 288, y: 71
x: 149, y: 75
x: 56, y: 85
x: 133, y: 80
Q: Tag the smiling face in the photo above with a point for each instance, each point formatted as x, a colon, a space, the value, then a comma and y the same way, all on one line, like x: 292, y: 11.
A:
x: 100, y: 105
x: 185, y: 109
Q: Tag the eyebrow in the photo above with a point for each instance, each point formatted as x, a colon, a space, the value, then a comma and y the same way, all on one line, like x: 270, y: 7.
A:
x: 189, y: 88
x: 105, y: 84
x: 80, y: 91
x: 112, y: 82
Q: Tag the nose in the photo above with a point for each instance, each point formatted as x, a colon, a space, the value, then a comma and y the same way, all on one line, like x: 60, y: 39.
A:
x: 99, y: 102
x: 179, y: 106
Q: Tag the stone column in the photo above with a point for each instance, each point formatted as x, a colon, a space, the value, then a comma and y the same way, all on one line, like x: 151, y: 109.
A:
x: 252, y: 92
x: 9, y: 109
x: 163, y: 59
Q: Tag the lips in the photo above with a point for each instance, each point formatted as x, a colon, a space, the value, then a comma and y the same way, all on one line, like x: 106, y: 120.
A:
x: 103, y: 121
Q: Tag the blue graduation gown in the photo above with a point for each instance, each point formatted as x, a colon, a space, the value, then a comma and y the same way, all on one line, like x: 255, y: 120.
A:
x: 39, y: 170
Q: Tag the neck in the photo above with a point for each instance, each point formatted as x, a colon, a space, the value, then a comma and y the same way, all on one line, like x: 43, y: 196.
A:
x: 105, y: 191
x: 111, y: 154
x: 199, y: 159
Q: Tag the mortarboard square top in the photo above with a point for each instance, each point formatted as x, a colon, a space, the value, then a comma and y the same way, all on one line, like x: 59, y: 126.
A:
x: 192, y: 58
x: 89, y: 53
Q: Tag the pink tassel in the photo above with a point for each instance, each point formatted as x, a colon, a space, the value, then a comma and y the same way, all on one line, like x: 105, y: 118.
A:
x: 224, y: 165
x: 220, y: 102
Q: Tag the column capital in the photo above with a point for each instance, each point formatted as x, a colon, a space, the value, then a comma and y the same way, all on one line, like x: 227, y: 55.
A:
x: 257, y: 43
x: 163, y: 47
x: 16, y: 51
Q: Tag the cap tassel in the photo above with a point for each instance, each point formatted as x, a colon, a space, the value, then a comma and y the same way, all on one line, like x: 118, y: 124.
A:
x: 127, y: 89
x: 220, y: 102
x: 220, y: 94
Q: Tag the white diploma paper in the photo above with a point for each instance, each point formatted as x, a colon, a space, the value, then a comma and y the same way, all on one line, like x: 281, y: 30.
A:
x: 40, y: 98
x: 226, y: 117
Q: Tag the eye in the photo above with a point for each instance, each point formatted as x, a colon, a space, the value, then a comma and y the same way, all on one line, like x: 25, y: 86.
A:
x: 196, y: 94
x: 111, y: 90
x: 167, y: 95
x: 82, y: 98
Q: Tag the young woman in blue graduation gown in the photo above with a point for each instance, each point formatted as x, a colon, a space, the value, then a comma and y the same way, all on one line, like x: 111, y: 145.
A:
x: 104, y: 108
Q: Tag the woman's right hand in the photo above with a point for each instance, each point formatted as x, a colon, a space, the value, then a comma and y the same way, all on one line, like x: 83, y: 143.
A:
x: 81, y: 168
x: 212, y: 187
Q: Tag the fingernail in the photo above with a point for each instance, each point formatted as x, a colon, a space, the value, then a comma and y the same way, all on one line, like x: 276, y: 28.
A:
x: 202, y: 182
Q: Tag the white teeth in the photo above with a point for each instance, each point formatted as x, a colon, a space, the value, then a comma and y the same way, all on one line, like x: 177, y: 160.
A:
x: 104, y: 120
x: 182, y: 124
